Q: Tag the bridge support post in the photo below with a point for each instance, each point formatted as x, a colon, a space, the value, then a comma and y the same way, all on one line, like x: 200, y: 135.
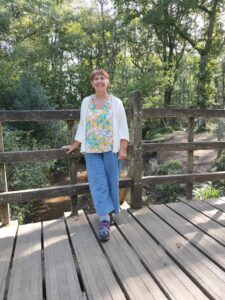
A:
x: 136, y: 145
x: 4, y: 208
x: 72, y: 168
x: 190, y: 158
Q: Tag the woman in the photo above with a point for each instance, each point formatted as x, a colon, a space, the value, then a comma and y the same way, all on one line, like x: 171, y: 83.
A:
x: 103, y: 135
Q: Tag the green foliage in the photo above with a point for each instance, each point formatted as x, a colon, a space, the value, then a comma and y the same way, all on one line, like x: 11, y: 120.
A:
x: 30, y: 94
x: 22, y: 176
x: 170, y: 167
x: 220, y: 163
x: 207, y: 191
x: 157, y: 133
x: 169, y: 192
x: 25, y: 175
x: 21, y: 212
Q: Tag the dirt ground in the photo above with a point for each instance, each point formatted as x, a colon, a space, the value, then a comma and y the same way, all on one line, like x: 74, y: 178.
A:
x: 54, y: 208
x: 203, y: 159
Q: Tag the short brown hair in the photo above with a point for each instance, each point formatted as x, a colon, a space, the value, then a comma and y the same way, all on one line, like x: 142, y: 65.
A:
x: 99, y: 72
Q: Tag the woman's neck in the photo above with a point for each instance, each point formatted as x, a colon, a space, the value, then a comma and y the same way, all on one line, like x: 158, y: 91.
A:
x: 101, y: 95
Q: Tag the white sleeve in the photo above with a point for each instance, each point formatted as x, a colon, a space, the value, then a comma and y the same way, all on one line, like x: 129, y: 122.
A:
x: 123, y: 127
x: 81, y: 126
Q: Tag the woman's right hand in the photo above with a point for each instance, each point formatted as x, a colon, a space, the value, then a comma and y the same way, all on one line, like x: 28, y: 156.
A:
x: 70, y: 148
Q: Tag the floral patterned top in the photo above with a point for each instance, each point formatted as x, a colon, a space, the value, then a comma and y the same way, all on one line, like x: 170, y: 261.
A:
x: 99, y: 129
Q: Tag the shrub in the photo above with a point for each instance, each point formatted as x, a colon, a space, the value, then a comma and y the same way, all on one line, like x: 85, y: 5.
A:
x: 207, y: 191
x: 170, y: 192
x: 170, y: 167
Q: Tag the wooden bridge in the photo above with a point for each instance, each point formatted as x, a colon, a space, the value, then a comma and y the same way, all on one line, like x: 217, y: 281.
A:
x: 173, y: 251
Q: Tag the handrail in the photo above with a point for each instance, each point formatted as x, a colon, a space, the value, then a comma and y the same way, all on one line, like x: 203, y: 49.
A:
x: 74, y: 114
x: 135, y: 180
x: 38, y: 115
x: 43, y: 155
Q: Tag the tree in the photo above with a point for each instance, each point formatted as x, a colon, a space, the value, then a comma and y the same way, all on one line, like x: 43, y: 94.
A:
x: 161, y: 39
x: 206, y: 38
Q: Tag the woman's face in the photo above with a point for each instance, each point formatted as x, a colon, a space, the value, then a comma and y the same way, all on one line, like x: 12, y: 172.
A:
x: 100, y: 83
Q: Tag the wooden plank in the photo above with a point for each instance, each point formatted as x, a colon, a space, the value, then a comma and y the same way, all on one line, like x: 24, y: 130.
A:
x: 203, y: 222
x: 74, y: 114
x: 26, y: 275
x: 24, y: 156
x: 175, y: 283
x: 133, y: 276
x: 37, y: 194
x: 218, y: 203
x: 222, y: 198
x: 61, y: 276
x: 164, y: 147
x: 57, y: 191
x: 182, y: 112
x: 208, y: 210
x: 160, y: 179
x: 38, y: 115
x: 97, y: 275
x: 7, y: 236
x: 206, y: 274
x: 205, y: 243
x: 38, y: 155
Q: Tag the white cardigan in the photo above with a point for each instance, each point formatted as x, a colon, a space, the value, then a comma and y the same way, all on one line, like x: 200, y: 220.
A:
x: 120, y: 127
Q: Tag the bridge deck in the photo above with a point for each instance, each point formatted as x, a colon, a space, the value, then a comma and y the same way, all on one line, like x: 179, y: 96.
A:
x: 174, y: 251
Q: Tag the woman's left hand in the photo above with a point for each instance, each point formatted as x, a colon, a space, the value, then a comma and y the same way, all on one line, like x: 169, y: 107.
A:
x: 122, y: 154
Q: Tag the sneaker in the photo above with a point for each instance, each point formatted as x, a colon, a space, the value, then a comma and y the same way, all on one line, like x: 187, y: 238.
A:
x: 104, y: 231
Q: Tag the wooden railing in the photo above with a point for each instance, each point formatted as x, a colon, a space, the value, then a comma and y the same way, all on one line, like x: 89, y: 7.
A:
x: 135, y: 180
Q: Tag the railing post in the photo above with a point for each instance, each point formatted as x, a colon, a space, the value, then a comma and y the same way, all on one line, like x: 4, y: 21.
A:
x: 220, y: 135
x: 136, y: 144
x: 72, y: 168
x: 4, y: 208
x: 190, y: 158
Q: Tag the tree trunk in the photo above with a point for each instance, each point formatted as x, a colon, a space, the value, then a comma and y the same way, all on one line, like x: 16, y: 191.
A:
x: 203, y: 79
x: 168, y: 96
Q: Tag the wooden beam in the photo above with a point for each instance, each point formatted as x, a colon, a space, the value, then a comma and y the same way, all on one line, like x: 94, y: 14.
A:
x: 154, y: 147
x: 182, y: 112
x: 57, y: 191
x: 38, y: 115
x: 190, y: 157
x: 73, y: 168
x: 74, y: 114
x: 41, y: 155
x: 38, y: 155
x: 183, y: 178
x: 4, y: 207
x: 136, y: 167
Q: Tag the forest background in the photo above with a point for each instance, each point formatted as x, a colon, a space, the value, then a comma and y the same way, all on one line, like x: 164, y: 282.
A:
x: 170, y: 50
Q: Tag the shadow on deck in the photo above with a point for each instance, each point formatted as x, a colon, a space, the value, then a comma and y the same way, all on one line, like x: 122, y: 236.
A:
x: 174, y: 251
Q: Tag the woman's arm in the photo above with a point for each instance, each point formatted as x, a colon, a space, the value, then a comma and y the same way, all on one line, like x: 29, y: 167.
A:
x: 123, y: 149
x: 71, y: 148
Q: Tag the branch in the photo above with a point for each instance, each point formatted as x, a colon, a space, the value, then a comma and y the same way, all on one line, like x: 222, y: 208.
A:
x: 203, y: 8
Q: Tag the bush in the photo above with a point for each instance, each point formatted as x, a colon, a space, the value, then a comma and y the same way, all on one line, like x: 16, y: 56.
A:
x: 22, y: 176
x: 157, y: 133
x: 170, y: 192
x: 170, y: 167
x: 207, y: 191
x: 220, y: 163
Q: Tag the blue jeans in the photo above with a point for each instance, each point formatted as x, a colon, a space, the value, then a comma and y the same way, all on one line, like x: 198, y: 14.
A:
x: 103, y: 175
